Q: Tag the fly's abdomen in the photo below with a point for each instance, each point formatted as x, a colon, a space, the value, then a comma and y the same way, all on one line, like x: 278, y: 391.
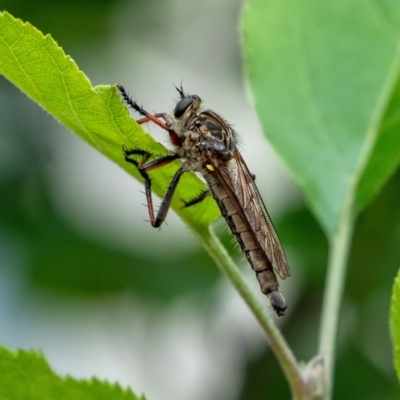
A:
x: 254, y: 254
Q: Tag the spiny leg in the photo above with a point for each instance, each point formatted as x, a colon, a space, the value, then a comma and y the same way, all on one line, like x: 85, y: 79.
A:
x: 166, y: 202
x: 147, y: 116
x: 143, y: 167
x: 155, y: 118
x: 131, y: 152
x: 197, y: 199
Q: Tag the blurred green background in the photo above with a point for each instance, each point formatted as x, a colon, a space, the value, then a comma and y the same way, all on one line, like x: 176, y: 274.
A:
x: 88, y: 281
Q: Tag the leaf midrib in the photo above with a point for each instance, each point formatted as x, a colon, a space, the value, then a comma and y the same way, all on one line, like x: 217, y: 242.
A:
x: 376, y: 124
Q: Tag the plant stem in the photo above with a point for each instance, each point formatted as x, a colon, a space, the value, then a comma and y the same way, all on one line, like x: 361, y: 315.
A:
x: 278, y: 344
x: 339, y: 251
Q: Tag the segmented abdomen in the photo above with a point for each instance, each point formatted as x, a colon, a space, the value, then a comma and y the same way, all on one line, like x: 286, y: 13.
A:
x: 254, y: 253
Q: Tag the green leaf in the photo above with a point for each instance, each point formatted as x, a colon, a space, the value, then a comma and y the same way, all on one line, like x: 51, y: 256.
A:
x: 39, y: 67
x: 325, y: 82
x: 386, y: 153
x: 27, y: 376
x: 395, y: 322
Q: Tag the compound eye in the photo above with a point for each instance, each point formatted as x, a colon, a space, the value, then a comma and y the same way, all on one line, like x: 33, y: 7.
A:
x: 182, y: 106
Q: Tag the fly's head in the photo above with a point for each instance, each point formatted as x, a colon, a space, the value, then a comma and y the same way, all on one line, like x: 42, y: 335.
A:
x: 202, y: 128
x: 185, y: 112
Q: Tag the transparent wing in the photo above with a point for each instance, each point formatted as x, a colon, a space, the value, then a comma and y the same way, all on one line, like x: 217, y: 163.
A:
x: 242, y: 191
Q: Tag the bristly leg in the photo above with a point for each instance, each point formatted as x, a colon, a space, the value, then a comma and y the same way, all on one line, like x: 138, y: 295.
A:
x: 145, y: 156
x: 143, y: 167
x: 198, y: 199
x: 128, y: 100
x: 166, y: 201
x: 147, y: 181
x: 147, y: 116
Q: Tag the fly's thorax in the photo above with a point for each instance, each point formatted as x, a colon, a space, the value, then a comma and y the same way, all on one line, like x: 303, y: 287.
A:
x: 216, y: 131
x: 207, y: 130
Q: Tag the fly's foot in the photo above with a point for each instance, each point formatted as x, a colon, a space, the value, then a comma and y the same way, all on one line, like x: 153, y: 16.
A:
x: 128, y: 100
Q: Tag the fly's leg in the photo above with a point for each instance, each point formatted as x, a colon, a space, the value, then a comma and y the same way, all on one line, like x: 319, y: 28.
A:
x: 147, y: 117
x: 155, y: 118
x: 166, y: 202
x: 216, y: 147
x: 197, y: 199
x: 145, y: 155
x: 147, y: 182
x: 143, y: 168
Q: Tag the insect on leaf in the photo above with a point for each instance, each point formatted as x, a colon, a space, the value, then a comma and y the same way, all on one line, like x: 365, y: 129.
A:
x: 37, y: 65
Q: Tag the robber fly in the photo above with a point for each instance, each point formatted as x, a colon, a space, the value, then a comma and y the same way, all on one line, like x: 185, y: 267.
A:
x: 208, y: 145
